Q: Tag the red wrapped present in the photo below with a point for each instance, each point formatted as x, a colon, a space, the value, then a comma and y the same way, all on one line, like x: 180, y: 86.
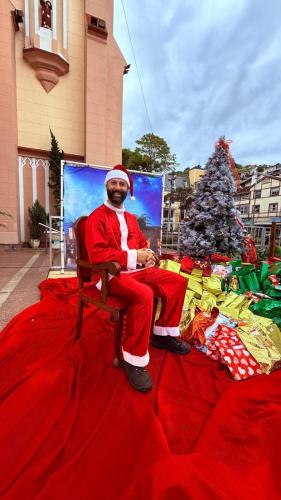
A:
x: 227, y: 348
x: 187, y: 264
x: 204, y: 265
x: 217, y: 257
x: 170, y: 256
x: 274, y: 280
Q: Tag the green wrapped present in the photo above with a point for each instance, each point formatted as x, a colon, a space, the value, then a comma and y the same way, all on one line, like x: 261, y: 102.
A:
x: 269, y: 309
x: 271, y: 290
x: 263, y: 271
x: 248, y: 279
x: 235, y: 264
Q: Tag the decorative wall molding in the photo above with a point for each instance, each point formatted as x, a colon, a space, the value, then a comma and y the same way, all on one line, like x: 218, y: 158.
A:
x: 34, y: 163
x: 44, y: 153
x: 48, y: 66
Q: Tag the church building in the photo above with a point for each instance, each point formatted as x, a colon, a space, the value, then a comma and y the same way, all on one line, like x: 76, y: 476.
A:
x: 61, y: 69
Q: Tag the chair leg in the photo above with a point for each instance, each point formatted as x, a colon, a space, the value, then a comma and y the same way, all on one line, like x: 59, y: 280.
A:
x: 79, y: 319
x: 118, y: 329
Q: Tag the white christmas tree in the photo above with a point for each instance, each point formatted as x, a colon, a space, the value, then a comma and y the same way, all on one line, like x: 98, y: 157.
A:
x: 212, y: 224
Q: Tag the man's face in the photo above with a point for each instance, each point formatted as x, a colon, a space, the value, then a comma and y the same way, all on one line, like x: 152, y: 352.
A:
x: 117, y: 190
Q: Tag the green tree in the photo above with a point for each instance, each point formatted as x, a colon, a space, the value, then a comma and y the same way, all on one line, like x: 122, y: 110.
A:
x: 55, y: 157
x: 239, y: 166
x: 126, y: 153
x: 156, y: 152
x: 135, y: 161
x: 36, y: 214
x: 152, y: 155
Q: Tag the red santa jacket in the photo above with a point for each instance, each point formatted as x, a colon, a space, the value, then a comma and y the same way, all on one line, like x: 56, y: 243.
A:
x: 106, y: 239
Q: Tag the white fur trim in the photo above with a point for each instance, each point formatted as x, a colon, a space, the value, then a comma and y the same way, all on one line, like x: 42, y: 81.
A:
x: 115, y: 209
x: 116, y: 174
x: 164, y: 331
x: 136, y: 360
x: 132, y: 260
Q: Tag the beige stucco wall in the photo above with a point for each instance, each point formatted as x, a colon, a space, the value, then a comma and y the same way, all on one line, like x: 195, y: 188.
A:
x: 104, y: 83
x: 194, y: 176
x: 63, y: 108
x: 8, y: 128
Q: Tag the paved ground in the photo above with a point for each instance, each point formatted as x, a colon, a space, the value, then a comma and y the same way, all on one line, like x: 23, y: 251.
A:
x: 20, y: 272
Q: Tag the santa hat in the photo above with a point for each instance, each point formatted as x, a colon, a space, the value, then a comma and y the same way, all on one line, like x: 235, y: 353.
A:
x: 120, y: 172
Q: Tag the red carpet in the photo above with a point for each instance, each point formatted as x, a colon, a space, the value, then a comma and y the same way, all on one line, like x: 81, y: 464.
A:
x: 72, y: 428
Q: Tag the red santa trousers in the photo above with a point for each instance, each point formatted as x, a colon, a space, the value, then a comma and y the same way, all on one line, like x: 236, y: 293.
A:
x: 138, y: 290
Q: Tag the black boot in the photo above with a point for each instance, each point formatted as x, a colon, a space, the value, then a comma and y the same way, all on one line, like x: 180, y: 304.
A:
x: 138, y: 377
x: 174, y: 344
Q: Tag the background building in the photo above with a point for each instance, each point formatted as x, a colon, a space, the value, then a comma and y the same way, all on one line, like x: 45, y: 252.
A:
x: 61, y: 69
x: 259, y: 202
x: 194, y: 174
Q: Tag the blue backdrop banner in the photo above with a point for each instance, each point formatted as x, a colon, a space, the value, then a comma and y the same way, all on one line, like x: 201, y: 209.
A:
x: 84, y: 190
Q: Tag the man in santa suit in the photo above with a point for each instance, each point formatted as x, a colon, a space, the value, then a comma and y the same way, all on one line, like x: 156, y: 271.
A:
x: 112, y: 234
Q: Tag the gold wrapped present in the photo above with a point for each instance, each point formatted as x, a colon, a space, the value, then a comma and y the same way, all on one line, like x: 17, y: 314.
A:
x: 261, y: 346
x: 208, y: 301
x: 197, y: 272
x: 195, y: 287
x: 212, y: 284
x: 198, y: 279
x: 187, y: 316
x: 275, y: 335
x: 170, y: 265
x: 189, y: 294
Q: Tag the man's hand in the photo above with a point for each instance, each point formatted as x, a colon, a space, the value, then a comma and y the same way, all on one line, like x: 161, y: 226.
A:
x: 151, y: 261
x: 143, y: 254
x: 147, y: 257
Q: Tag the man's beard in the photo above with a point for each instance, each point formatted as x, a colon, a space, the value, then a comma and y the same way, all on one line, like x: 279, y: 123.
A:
x: 116, y: 200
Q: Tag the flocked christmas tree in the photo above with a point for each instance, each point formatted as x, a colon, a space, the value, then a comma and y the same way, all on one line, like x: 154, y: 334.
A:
x: 212, y: 224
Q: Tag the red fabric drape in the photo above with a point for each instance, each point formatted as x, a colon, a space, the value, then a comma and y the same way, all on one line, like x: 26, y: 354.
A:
x: 71, y: 427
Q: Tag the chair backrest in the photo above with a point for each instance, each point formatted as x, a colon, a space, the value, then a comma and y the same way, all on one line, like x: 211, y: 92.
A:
x: 80, y: 233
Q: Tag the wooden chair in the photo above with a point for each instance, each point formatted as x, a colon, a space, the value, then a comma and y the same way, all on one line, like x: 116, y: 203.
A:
x: 102, y: 299
x: 91, y: 295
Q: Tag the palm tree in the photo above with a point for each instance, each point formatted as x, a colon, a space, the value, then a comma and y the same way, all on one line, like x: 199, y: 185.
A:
x: 144, y: 221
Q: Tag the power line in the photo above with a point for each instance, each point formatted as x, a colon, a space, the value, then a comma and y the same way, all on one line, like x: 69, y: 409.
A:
x: 138, y: 73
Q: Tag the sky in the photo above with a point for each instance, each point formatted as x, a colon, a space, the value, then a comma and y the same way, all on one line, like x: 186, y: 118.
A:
x: 208, y: 68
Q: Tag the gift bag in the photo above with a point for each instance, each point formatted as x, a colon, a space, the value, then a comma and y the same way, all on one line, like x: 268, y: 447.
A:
x: 248, y: 279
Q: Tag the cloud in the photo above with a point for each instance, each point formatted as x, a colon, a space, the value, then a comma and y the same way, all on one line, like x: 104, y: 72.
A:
x: 208, y: 68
